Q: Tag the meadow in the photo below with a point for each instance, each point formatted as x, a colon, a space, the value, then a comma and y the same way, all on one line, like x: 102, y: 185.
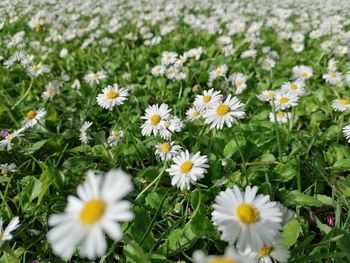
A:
x: 174, y: 131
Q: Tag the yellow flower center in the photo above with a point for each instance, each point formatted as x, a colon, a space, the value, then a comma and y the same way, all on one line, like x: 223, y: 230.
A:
x: 92, y: 211
x: 31, y: 114
x: 158, y: 69
x: 112, y: 94
x: 165, y: 148
x: 94, y: 75
x: 116, y: 133
x: 186, y: 167
x: 247, y: 213
x: 4, y: 173
x: 283, y: 100
x: 9, y: 137
x: 280, y: 114
x: 195, y: 113
x: 305, y: 74
x: 293, y: 86
x: 37, y: 28
x: 344, y: 102
x: 265, y: 251
x: 239, y: 82
x: 333, y: 75
x: 167, y: 57
x: 155, y: 119
x: 218, y: 72
x: 206, y: 98
x: 221, y: 260
x: 36, y: 68
x: 222, y: 110
x: 271, y: 95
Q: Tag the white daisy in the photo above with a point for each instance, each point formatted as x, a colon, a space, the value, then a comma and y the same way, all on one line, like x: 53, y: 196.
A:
x: 168, y: 58
x: 296, y: 87
x: 287, y: 214
x: 333, y: 78
x: 193, y: 114
x: 332, y: 65
x: 172, y: 125
x: 5, y: 234
x: 84, y: 136
x: 298, y: 47
x: 230, y: 256
x: 225, y: 112
x: 187, y: 169
x: 33, y: 117
x: 285, y: 100
x: 49, y: 92
x: 158, y: 70
x: 92, y: 77
x: 167, y: 150
x: 245, y: 218
x: 281, y: 116
x: 239, y: 81
x: 115, y: 137
x: 302, y: 72
x: 7, y: 168
x: 346, y: 132
x: 220, y: 71
x: 171, y: 72
x: 7, y: 142
x: 37, y: 70
x: 112, y: 96
x: 209, y: 97
x: 97, y: 210
x: 341, y: 104
x: 156, y: 117
x: 268, y: 64
x: 267, y: 95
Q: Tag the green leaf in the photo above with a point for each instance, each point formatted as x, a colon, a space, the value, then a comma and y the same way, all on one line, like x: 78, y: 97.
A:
x: 34, y: 147
x: 295, y: 197
x: 291, y: 232
x: 137, y: 231
x: 285, y: 172
x: 135, y: 254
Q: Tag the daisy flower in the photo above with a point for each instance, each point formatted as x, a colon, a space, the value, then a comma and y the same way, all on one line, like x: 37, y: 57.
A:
x: 7, y: 142
x: 298, y: 47
x: 193, y: 114
x: 115, y: 137
x: 230, y: 256
x: 5, y: 234
x: 296, y: 87
x: 112, y: 96
x: 239, y: 80
x: 208, y: 98
x: 341, y: 104
x: 218, y: 72
x: 245, y: 218
x: 268, y: 64
x: 187, y: 169
x: 33, y: 116
x: 225, y: 112
x: 92, y: 77
x: 49, y: 92
x: 171, y: 72
x: 158, y: 70
x: 281, y: 116
x: 167, y: 150
x: 302, y: 72
x: 333, y: 78
x: 346, y: 132
x: 285, y: 100
x: 277, y: 252
x: 7, y: 168
x: 172, y: 125
x: 332, y: 65
x: 168, y: 58
x: 298, y: 37
x: 97, y: 210
x: 287, y: 215
x: 267, y: 95
x: 84, y: 136
x: 156, y: 117
x: 37, y: 70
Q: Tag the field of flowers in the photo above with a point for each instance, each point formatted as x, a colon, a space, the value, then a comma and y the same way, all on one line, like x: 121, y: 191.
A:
x: 174, y: 131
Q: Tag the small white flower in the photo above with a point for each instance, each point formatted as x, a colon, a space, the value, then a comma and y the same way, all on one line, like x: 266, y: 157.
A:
x: 7, y: 142
x: 158, y: 70
x: 7, y: 168
x: 187, y: 169
x: 33, y: 117
x: 193, y: 114
x: 115, y: 137
x: 333, y: 78
x: 341, y: 104
x: 296, y: 87
x: 37, y: 70
x: 281, y: 116
x: 5, y: 234
x: 208, y: 98
x: 239, y: 81
x: 63, y: 53
x: 230, y: 256
x: 218, y: 72
x: 167, y: 150
x: 84, y: 136
x: 302, y: 72
x: 168, y: 58
x: 285, y: 100
x: 112, y: 96
x: 92, y: 77
x: 172, y: 125
x: 156, y: 117
x: 267, y: 95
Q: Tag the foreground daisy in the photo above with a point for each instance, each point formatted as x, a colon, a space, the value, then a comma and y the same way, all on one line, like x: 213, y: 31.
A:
x: 167, y: 150
x: 115, y: 137
x: 341, y: 104
x: 7, y: 142
x: 285, y: 100
x: 225, y: 112
x: 33, y: 116
x: 193, y: 114
x: 230, y: 256
x: 245, y: 218
x: 187, y: 169
x: 5, y: 234
x: 112, y: 96
x: 96, y: 211
x: 209, y: 97
x: 155, y: 117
